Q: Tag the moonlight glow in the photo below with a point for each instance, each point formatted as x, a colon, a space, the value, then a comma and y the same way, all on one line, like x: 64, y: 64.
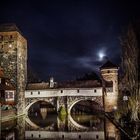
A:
x: 101, y: 55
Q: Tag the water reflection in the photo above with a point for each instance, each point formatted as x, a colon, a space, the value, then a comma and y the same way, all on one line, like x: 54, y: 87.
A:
x: 55, y: 127
x: 42, y: 122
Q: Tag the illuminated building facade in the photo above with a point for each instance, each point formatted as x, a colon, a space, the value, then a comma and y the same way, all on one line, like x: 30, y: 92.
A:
x: 13, y: 60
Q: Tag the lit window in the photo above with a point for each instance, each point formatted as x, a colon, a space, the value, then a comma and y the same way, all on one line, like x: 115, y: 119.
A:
x: 10, y: 45
x: 125, y: 98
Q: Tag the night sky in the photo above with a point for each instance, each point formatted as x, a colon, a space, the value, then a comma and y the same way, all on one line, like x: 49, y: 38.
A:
x: 65, y: 37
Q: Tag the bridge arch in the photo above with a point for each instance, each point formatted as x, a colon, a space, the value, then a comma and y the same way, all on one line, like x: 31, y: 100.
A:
x: 97, y: 100
x: 30, y: 103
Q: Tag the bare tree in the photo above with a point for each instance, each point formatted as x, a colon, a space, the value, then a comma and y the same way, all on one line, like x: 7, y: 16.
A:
x: 130, y: 66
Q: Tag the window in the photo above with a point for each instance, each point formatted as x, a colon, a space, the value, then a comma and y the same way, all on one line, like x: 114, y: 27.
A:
x: 6, y: 95
x: 11, y: 95
x: 61, y: 91
x: 108, y: 71
x: 62, y: 136
x: 109, y: 89
x: 97, y: 137
x: 79, y: 136
x: 77, y: 90
x: 38, y: 92
x: 32, y: 135
x: 11, y: 36
x: 39, y: 136
x: 95, y: 90
x: 31, y: 93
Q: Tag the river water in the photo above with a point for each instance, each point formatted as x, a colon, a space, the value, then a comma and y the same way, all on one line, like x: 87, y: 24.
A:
x: 52, y: 126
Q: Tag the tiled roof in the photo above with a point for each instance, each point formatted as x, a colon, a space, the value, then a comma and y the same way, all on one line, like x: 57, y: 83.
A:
x: 80, y: 84
x: 37, y: 86
x: 108, y: 64
x: 69, y: 84
x: 6, y: 87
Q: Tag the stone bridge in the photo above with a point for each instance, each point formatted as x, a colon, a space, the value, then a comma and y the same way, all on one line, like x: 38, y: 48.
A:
x: 63, y: 97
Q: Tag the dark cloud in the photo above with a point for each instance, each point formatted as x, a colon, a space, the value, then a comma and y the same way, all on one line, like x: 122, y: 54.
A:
x: 65, y: 37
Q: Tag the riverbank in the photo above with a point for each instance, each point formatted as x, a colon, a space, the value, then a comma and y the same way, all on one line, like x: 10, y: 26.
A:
x: 121, y: 128
x: 7, y: 115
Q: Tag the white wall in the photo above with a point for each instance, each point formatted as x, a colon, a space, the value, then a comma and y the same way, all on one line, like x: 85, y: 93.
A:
x: 68, y: 135
x: 63, y: 92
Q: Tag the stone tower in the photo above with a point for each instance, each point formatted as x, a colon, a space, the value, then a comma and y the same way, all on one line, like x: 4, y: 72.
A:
x: 109, y: 73
x: 13, y: 60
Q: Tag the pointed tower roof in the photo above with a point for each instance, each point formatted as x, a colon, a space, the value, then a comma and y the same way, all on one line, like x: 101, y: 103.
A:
x: 108, y: 65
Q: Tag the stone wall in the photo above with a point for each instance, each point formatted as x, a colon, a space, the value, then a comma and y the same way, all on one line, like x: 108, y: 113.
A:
x: 13, y: 59
x: 110, y: 98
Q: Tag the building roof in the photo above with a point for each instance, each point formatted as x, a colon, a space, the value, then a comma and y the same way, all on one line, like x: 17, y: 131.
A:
x: 69, y: 84
x: 6, y: 87
x: 108, y: 64
x: 37, y: 86
x: 9, y: 27
x: 7, y: 84
x: 80, y: 84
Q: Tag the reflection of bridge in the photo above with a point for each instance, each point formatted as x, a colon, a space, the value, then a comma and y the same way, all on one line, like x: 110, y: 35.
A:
x: 61, y: 135
x: 63, y: 97
x: 68, y: 122
x: 74, y: 130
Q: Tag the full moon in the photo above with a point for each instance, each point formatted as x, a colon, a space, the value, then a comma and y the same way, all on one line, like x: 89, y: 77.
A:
x: 101, y: 55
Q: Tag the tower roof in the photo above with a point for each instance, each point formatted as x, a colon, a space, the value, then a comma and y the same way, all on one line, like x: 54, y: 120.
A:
x: 9, y: 27
x: 108, y: 65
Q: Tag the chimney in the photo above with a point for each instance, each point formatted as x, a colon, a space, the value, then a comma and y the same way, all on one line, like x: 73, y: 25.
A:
x: 51, y: 82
